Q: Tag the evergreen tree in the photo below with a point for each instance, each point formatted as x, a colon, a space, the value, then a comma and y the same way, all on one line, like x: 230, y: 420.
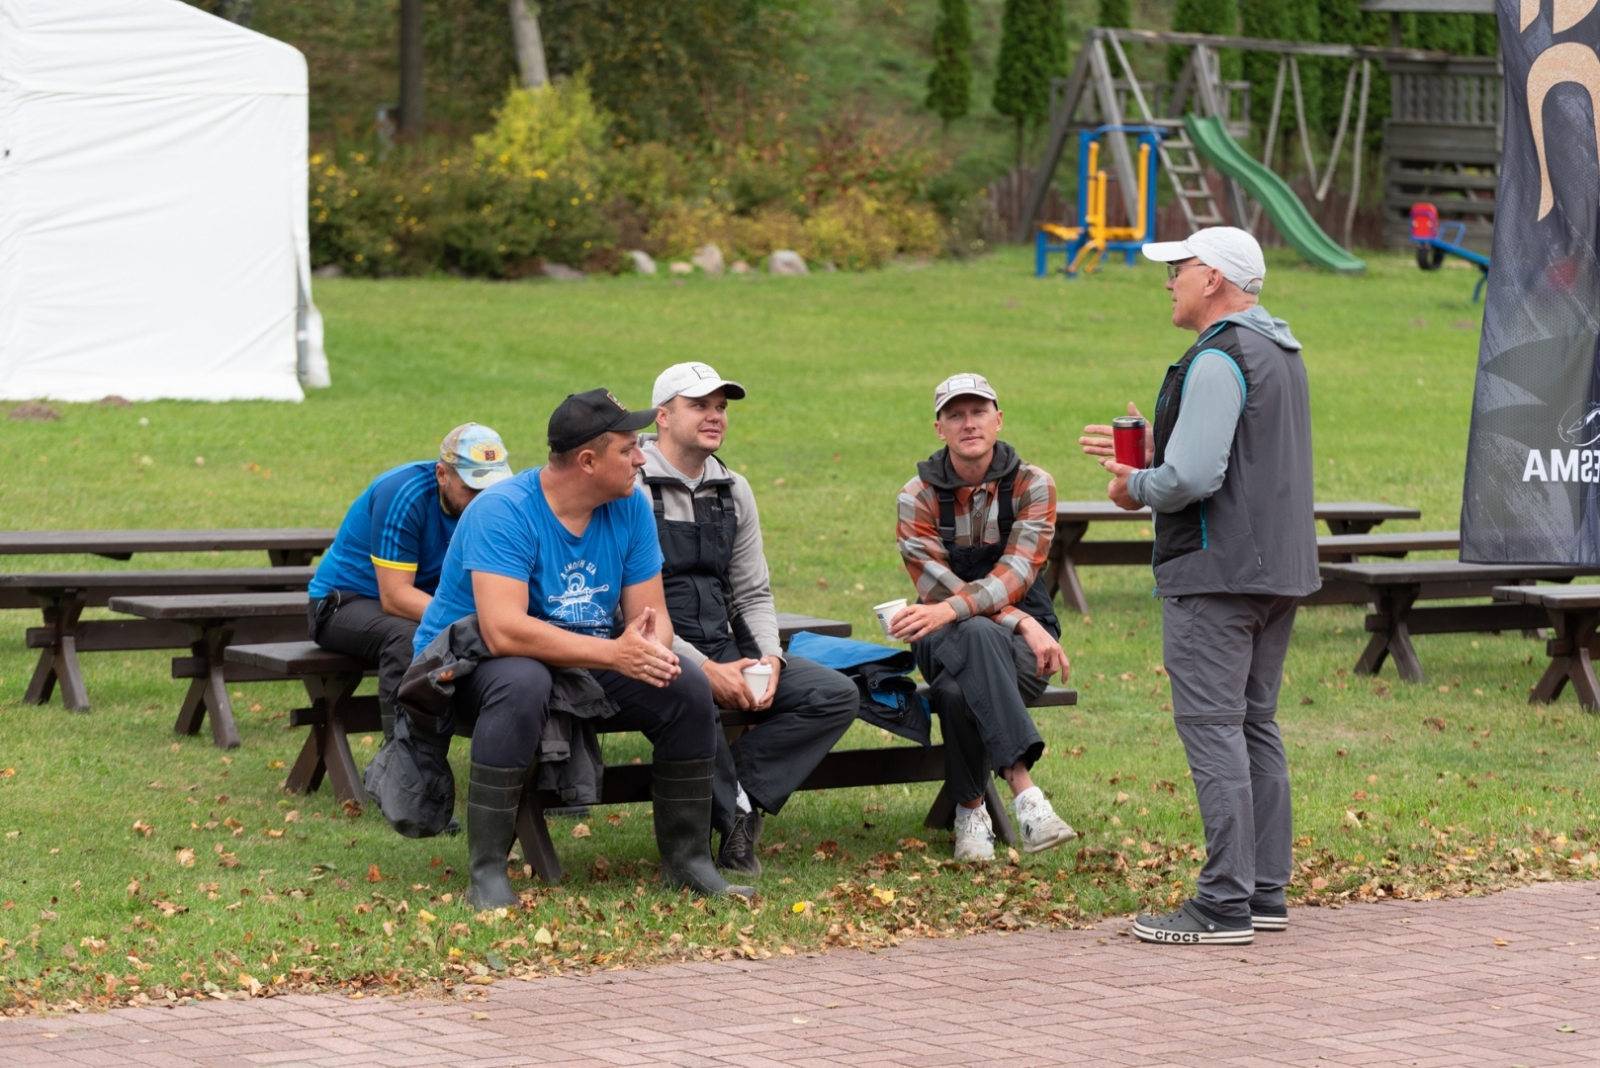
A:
x: 1203, y: 16
x: 1115, y: 13
x: 1033, y: 49
x: 950, y: 82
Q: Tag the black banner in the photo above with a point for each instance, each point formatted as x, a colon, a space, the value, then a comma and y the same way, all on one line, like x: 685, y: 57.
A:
x: 1532, y: 492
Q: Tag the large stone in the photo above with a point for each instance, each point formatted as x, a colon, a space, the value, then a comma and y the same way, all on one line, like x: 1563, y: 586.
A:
x: 740, y: 267
x: 642, y: 261
x: 786, y: 261
x: 708, y: 258
x: 560, y: 272
x: 679, y: 267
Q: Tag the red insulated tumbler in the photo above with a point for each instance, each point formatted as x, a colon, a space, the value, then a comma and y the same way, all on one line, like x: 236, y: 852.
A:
x: 1127, y: 439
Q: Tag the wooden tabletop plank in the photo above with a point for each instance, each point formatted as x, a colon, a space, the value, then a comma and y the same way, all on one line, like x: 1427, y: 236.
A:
x: 1558, y: 597
x: 266, y: 577
x: 1413, y: 572
x: 202, y: 606
x: 790, y: 624
x: 295, y: 658
x: 1107, y: 512
x: 105, y: 542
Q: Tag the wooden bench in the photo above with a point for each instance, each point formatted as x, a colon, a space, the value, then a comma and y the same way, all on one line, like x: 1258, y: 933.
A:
x: 214, y: 621
x: 331, y: 680
x: 1573, y: 613
x: 62, y: 597
x: 1394, y: 588
x: 1069, y: 551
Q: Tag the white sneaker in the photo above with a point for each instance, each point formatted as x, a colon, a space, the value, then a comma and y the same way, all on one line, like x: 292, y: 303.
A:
x: 1041, y: 828
x: 974, y: 834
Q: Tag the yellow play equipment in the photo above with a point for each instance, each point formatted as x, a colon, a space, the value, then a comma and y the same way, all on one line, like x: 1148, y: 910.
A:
x: 1086, y: 245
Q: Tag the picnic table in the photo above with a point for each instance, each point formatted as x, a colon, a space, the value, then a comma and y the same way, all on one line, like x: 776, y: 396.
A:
x: 1069, y: 550
x: 290, y: 547
x: 63, y: 595
x: 1573, y: 613
x: 214, y: 621
x: 1394, y: 588
x: 332, y: 678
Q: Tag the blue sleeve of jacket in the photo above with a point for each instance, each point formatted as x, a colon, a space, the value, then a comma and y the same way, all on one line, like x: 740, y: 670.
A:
x: 1197, y: 453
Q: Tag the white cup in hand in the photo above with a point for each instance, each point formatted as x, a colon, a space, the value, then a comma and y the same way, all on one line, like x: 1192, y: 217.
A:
x: 758, y: 677
x: 886, y: 613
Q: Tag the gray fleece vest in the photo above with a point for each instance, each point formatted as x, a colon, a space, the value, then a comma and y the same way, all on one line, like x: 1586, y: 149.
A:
x: 1257, y: 534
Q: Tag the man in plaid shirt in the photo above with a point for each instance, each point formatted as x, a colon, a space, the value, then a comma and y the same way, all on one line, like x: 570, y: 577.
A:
x: 974, y: 527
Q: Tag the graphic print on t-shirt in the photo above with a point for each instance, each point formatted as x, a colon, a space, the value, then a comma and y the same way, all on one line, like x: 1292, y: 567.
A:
x: 574, y: 607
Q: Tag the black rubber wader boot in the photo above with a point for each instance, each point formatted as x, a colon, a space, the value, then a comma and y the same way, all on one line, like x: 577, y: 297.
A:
x: 681, y: 793
x: 492, y: 798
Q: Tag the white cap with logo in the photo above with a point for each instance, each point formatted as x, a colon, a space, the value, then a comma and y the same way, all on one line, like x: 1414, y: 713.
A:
x: 962, y: 385
x: 1227, y: 248
x: 692, y: 380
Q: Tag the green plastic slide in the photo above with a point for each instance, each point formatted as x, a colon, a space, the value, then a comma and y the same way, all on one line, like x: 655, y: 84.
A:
x: 1277, y: 199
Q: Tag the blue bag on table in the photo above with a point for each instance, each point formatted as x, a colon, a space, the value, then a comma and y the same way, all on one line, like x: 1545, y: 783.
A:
x: 889, y: 698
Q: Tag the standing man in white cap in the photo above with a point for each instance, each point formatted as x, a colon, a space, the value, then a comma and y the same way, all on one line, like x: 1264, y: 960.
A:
x: 974, y: 529
x: 380, y: 574
x: 723, y: 616
x: 1228, y: 477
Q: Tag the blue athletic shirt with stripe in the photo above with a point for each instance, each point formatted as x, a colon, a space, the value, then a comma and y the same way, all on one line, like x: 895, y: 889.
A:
x: 574, y: 581
x: 399, y: 522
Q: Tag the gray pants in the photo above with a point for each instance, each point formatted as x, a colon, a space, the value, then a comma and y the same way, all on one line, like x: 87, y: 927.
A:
x: 358, y: 626
x: 981, y: 677
x: 1224, y: 655
x: 812, y: 709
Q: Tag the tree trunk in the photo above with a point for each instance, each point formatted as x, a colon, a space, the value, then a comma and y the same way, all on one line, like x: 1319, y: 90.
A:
x: 530, y: 45
x: 410, y: 67
x: 238, y: 12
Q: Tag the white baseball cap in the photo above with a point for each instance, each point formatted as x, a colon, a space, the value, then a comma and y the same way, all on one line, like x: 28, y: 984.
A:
x: 1227, y: 248
x: 962, y: 385
x: 692, y: 380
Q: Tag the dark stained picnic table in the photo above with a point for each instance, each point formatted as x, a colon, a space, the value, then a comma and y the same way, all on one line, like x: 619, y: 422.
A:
x: 1394, y: 588
x: 287, y: 547
x: 1069, y: 551
x: 1574, y: 613
x: 214, y: 620
x: 63, y: 595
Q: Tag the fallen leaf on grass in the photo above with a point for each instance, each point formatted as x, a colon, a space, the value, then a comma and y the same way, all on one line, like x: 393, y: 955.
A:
x: 615, y: 819
x: 543, y: 937
x: 352, y: 808
x: 143, y: 828
x: 581, y: 830
x: 273, y: 832
x: 8, y: 773
x: 373, y: 874
x: 169, y: 910
x: 184, y: 857
x: 274, y: 765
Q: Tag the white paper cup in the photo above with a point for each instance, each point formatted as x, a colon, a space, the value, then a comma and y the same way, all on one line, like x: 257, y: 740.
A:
x: 886, y: 613
x: 758, y: 677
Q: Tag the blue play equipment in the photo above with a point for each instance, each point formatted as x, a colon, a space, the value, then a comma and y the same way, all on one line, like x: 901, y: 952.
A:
x: 1434, y: 240
x: 1085, y: 244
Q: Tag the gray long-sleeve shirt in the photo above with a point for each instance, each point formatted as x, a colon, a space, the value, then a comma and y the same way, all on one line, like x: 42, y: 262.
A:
x: 1197, y: 454
x: 749, y: 585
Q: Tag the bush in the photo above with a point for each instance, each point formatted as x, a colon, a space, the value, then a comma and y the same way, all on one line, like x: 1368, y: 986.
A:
x: 363, y: 217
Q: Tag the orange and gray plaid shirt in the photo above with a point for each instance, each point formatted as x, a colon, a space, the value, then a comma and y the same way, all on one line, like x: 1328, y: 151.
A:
x: 1033, y: 495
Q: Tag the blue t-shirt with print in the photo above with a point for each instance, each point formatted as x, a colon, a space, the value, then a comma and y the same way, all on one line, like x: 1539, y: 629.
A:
x: 574, y: 582
x: 399, y: 522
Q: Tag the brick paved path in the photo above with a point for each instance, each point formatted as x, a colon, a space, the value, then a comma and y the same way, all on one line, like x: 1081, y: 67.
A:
x: 1399, y: 984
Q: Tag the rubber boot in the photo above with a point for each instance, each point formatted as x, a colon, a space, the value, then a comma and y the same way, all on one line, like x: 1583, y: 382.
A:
x: 386, y: 717
x: 681, y: 792
x: 492, y: 798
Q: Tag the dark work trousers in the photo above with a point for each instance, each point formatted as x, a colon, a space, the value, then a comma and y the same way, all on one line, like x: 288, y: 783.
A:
x: 812, y: 709
x: 981, y: 677
x: 358, y: 626
x: 502, y: 704
x: 1224, y: 656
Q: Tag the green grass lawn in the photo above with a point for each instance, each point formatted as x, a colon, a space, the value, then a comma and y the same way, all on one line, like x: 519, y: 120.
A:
x: 1453, y: 786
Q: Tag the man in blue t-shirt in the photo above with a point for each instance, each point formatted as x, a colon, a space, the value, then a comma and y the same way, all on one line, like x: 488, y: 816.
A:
x: 380, y: 574
x: 544, y: 560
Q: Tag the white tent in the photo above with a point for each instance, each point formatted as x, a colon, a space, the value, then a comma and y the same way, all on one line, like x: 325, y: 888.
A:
x: 153, y: 235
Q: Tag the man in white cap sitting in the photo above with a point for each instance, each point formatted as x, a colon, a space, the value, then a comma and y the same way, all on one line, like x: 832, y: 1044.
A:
x: 1228, y: 475
x: 723, y: 617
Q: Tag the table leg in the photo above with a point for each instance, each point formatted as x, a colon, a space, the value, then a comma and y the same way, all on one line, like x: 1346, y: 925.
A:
x: 306, y: 775
x: 1390, y: 636
x: 336, y: 755
x: 1571, y: 658
x: 59, y: 661
x: 210, y: 692
x: 1060, y: 574
x: 534, y: 834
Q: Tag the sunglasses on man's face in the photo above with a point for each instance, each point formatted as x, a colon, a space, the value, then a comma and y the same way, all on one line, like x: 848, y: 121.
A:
x: 1174, y: 268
